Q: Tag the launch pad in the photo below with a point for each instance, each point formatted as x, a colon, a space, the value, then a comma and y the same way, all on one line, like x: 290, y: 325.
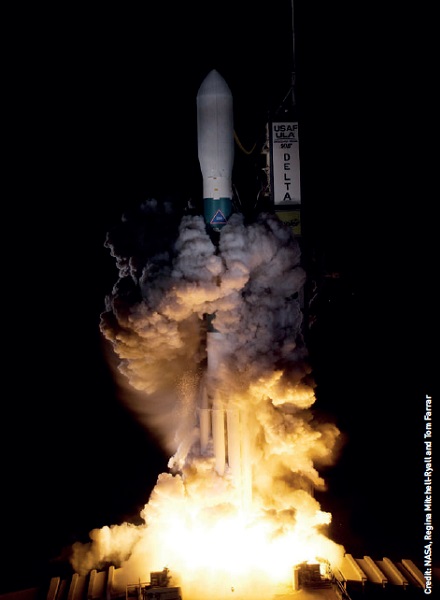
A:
x: 365, y: 578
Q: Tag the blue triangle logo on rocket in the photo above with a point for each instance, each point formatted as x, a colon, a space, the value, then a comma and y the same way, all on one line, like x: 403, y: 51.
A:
x: 218, y: 218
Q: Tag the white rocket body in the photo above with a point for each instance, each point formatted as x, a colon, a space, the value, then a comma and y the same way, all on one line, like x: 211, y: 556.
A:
x: 215, y: 137
x: 223, y: 426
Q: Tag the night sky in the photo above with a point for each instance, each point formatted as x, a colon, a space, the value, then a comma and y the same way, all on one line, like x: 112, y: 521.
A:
x: 101, y: 116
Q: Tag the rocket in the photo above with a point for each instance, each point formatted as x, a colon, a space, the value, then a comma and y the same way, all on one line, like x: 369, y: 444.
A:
x: 223, y: 427
x: 215, y: 140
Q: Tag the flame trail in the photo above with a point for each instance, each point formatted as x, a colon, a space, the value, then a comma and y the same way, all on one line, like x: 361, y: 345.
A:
x: 194, y: 521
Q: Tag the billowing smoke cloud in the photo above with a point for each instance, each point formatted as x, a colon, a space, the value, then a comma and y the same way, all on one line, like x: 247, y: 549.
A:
x: 172, y: 276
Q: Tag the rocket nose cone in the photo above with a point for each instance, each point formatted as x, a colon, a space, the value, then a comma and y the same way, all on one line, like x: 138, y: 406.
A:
x: 214, y: 85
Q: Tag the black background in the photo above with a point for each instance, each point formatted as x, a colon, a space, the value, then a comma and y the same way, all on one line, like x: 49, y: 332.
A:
x: 100, y: 116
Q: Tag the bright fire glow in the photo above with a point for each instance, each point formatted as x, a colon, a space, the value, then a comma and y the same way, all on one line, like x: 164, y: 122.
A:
x: 209, y: 545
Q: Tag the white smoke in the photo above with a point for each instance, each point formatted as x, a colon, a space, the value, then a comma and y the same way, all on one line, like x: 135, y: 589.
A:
x: 156, y: 323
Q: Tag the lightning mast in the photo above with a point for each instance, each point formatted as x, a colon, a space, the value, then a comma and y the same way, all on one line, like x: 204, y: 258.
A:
x: 281, y: 150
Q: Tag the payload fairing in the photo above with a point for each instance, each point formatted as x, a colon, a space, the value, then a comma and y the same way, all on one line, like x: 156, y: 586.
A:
x: 215, y: 139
